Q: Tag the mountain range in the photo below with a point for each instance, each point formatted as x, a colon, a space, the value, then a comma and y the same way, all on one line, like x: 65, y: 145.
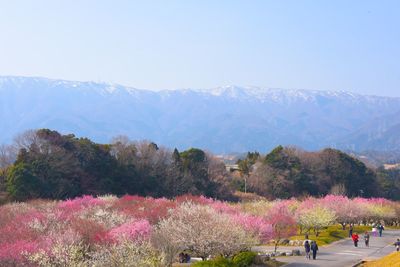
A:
x: 223, y: 120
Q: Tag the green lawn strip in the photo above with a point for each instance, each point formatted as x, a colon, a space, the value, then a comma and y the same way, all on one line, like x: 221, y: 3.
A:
x: 331, y: 234
x: 392, y: 227
x: 273, y: 263
x: 243, y: 259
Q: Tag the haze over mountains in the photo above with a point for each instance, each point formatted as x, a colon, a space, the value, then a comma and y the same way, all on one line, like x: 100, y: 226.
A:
x: 222, y: 120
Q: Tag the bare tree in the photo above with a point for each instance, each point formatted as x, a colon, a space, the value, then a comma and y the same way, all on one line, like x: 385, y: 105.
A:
x: 7, y: 155
x: 123, y: 149
x: 26, y: 139
x: 150, y: 157
x: 217, y: 173
x: 338, y: 189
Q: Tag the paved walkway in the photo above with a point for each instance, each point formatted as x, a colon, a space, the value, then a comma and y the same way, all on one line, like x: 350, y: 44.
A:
x: 343, y: 253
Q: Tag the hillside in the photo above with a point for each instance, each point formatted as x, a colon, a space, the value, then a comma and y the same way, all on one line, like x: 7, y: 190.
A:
x: 222, y: 120
x: 377, y: 159
x: 55, y: 166
x: 286, y: 172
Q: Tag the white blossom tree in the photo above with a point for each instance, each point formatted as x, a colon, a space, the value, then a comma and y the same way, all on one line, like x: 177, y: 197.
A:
x: 204, y: 231
x: 316, y: 218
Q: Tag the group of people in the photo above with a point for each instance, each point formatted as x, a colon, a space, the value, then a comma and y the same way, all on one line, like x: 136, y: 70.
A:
x: 355, y: 237
x: 184, y: 258
x: 378, y: 228
x: 310, y: 246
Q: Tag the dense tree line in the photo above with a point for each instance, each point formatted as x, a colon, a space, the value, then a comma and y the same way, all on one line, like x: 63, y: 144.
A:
x: 47, y: 164
x: 290, y: 172
x: 50, y: 165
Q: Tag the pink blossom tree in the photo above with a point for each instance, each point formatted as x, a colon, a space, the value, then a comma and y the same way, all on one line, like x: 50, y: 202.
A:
x: 132, y: 231
x: 346, y: 210
x: 283, y: 223
x: 259, y: 227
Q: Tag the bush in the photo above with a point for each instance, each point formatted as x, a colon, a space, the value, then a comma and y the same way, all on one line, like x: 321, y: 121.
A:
x: 217, y: 262
x: 244, y: 259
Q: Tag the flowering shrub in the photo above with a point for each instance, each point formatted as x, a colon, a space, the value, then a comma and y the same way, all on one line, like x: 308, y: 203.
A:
x: 131, y: 231
x: 128, y: 253
x: 104, y: 216
x: 150, y: 209
x: 257, y: 208
x: 259, y: 227
x: 60, y: 254
x: 12, y: 253
x: 224, y: 207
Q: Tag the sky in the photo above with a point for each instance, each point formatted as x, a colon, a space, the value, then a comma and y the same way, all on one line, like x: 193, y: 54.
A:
x: 167, y: 44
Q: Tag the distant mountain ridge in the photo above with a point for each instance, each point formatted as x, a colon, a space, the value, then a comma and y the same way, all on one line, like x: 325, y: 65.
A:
x: 223, y: 120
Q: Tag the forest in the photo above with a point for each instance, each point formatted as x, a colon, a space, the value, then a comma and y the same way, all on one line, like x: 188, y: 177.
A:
x: 286, y: 172
x: 49, y: 165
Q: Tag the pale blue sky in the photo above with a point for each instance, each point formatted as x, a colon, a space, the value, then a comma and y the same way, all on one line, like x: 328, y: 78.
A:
x: 332, y: 45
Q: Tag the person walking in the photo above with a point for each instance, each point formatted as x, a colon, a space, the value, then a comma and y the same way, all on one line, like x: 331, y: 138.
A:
x: 355, y: 239
x: 380, y: 229
x: 314, y: 248
x: 397, y: 244
x: 350, y: 230
x: 366, y: 239
x: 374, y: 231
x: 307, y: 247
x: 306, y: 239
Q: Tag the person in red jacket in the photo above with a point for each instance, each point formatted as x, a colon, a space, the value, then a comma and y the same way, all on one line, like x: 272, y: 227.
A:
x: 355, y: 239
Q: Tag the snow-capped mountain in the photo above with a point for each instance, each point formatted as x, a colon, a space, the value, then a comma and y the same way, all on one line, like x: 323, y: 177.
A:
x: 224, y: 119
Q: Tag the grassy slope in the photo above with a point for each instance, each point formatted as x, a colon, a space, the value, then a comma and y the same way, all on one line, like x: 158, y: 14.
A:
x: 332, y: 234
x: 391, y: 260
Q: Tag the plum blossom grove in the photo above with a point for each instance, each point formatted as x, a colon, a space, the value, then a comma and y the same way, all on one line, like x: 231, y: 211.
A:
x: 139, y: 231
